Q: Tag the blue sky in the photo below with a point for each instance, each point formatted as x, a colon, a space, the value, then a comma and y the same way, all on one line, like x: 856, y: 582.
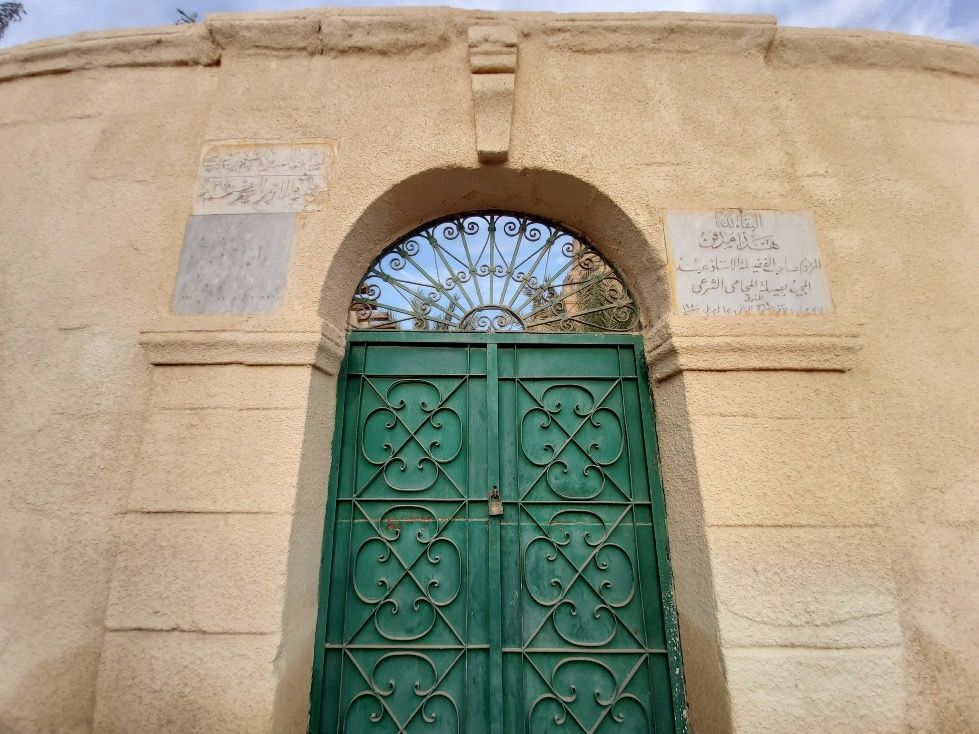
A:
x: 956, y: 20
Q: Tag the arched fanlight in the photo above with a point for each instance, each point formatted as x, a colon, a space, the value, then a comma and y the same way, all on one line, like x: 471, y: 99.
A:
x: 493, y: 272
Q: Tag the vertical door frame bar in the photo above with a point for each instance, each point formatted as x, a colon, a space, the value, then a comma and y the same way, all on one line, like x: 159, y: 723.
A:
x: 494, y: 530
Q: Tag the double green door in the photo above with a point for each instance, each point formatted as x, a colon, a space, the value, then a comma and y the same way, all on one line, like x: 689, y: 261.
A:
x: 445, y: 609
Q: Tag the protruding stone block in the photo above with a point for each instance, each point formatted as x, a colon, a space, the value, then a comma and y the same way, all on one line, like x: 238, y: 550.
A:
x: 493, y: 62
x: 219, y: 460
x: 493, y: 49
x: 789, y: 473
x: 815, y: 587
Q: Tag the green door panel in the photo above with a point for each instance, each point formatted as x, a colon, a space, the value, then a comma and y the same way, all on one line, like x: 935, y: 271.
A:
x: 436, y: 616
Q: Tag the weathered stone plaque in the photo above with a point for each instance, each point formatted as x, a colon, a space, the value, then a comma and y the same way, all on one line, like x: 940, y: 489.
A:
x: 253, y: 178
x: 745, y: 261
x: 234, y: 264
x: 238, y: 241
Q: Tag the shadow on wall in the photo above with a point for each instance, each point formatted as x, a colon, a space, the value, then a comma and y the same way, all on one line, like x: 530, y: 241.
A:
x: 49, y: 690
x: 693, y: 578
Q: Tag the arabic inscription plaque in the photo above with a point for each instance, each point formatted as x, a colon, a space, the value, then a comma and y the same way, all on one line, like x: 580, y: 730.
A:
x: 262, y: 178
x: 745, y: 261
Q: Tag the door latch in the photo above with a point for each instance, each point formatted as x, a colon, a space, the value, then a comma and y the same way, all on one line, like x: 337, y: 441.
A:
x: 494, y: 503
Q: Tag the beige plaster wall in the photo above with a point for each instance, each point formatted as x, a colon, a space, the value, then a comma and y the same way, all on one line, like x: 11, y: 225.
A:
x: 163, y: 477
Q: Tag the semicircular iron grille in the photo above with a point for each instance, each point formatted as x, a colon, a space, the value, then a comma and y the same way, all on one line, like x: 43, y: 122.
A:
x: 493, y: 272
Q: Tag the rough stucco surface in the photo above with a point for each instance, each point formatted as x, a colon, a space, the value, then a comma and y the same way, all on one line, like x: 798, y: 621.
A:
x: 161, y: 523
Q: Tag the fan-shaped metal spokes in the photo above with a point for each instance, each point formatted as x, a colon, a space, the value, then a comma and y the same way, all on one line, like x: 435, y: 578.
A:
x: 492, y: 272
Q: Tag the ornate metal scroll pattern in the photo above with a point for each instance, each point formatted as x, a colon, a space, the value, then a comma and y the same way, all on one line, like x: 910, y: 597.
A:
x: 573, y: 437
x: 583, y: 580
x: 604, y: 705
x: 408, y: 579
x: 404, y: 625
x: 404, y: 688
x: 493, y: 272
x: 583, y: 630
x: 411, y: 436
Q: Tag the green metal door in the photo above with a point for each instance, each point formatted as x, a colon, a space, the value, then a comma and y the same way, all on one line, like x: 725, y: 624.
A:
x: 445, y: 609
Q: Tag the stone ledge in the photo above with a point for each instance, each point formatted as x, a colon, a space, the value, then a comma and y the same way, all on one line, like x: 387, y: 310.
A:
x: 391, y: 31
x: 726, y: 344
x: 668, y: 32
x: 215, y: 573
x: 223, y: 340
x: 814, y: 690
x: 334, y: 30
x: 187, y: 45
x: 799, y: 47
x: 264, y: 32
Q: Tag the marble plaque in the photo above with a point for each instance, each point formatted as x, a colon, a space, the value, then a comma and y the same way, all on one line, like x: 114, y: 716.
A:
x: 745, y: 261
x: 262, y: 178
x: 234, y: 264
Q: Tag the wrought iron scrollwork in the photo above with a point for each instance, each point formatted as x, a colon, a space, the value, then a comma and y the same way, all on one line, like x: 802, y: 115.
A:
x: 421, y: 435
x: 576, y: 642
x: 583, y: 693
x: 393, y: 699
x: 404, y: 643
x: 583, y: 642
x: 493, y: 272
x: 572, y: 438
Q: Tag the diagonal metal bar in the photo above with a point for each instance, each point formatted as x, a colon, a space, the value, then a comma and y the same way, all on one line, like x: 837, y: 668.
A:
x: 620, y: 689
x: 401, y: 283
x: 412, y: 436
x: 550, y: 687
x: 550, y: 280
x: 379, y: 698
x: 540, y: 253
x: 409, y: 296
x: 435, y: 688
x: 407, y: 571
x: 571, y: 436
x: 578, y: 314
x: 413, y: 315
x: 579, y: 573
x: 583, y: 285
x: 613, y: 699
x: 433, y: 281
x: 442, y: 252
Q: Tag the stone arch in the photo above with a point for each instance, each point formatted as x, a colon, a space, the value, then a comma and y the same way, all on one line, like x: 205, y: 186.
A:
x: 573, y: 203
x: 628, y: 241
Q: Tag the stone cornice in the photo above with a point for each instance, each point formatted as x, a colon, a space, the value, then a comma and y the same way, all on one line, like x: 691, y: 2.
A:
x: 675, y: 344
x: 729, y: 344
x: 799, y: 47
x: 179, y: 341
x: 188, y: 45
x: 399, y: 31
